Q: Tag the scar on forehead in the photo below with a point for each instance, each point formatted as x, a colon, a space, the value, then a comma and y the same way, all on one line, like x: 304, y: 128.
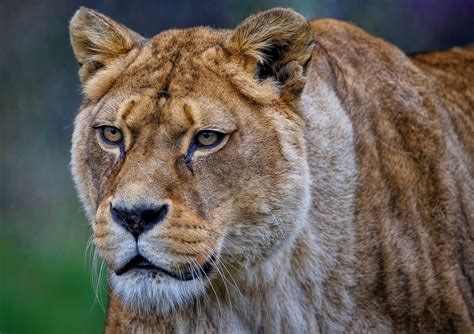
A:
x: 163, y: 93
x: 162, y: 96
x: 188, y: 114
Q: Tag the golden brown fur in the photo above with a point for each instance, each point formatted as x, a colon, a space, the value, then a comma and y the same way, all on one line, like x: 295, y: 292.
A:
x: 341, y: 200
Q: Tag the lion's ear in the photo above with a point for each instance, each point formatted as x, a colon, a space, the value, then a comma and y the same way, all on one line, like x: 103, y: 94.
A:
x: 97, y: 40
x: 275, y: 44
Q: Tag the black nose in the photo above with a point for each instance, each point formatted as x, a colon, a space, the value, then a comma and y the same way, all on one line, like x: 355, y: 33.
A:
x: 139, y: 219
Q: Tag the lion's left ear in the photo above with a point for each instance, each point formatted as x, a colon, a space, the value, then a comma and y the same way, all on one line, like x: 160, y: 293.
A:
x: 275, y: 44
x: 97, y: 40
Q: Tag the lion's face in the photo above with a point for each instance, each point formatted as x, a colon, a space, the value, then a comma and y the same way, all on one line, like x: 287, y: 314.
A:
x: 184, y: 158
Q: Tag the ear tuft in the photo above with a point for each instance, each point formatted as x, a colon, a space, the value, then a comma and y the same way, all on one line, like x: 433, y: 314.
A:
x: 98, y: 40
x: 276, y: 40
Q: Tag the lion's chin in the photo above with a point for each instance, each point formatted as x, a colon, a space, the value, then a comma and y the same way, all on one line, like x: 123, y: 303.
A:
x: 145, y: 291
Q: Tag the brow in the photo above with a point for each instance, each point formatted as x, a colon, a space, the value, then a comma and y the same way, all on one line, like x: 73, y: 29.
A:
x: 127, y: 109
x: 189, y: 114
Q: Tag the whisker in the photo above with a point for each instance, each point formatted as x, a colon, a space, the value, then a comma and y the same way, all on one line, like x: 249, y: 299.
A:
x: 197, y: 304
x: 215, y: 265
x: 96, y: 277
x: 226, y: 250
x: 214, y: 290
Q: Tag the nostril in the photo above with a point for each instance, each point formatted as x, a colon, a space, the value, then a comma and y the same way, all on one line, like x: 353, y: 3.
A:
x: 126, y: 218
x: 152, y: 217
x: 139, y: 219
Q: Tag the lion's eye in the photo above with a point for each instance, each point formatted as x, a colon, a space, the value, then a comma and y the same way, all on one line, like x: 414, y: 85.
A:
x: 111, y: 135
x: 208, y: 138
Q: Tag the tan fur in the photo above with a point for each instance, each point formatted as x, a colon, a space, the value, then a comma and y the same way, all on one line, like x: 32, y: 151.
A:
x: 342, y: 199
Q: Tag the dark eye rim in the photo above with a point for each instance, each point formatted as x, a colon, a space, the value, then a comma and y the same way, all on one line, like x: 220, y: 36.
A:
x: 102, y: 128
x: 220, y: 137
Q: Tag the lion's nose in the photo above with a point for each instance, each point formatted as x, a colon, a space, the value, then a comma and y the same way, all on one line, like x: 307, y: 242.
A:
x: 138, y: 219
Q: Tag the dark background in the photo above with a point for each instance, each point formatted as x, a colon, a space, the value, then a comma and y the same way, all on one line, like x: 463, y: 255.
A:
x: 46, y: 275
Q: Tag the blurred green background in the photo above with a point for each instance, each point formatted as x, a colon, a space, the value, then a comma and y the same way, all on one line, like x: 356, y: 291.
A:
x: 45, y: 271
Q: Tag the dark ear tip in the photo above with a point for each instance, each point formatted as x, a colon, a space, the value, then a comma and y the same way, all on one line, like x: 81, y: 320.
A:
x: 81, y: 11
x: 83, y: 14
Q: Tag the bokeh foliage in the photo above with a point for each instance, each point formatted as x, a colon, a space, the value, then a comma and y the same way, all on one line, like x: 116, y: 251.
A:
x: 45, y: 274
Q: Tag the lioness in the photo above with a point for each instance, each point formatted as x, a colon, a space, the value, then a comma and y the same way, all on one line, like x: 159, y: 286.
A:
x: 283, y: 177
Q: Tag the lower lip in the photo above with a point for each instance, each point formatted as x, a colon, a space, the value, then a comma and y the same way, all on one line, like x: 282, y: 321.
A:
x: 143, y: 267
x: 188, y: 276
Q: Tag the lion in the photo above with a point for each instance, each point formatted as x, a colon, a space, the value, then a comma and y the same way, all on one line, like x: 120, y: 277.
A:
x: 287, y: 176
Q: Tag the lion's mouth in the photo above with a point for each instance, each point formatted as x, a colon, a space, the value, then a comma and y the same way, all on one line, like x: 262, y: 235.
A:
x: 192, y: 272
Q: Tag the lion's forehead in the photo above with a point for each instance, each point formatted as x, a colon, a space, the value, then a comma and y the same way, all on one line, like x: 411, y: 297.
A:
x: 172, y: 59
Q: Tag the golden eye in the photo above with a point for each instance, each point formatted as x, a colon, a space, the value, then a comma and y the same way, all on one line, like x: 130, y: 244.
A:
x: 208, y: 138
x: 111, y: 135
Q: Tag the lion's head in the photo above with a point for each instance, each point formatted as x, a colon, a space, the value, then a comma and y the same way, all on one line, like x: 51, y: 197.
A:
x: 188, y: 150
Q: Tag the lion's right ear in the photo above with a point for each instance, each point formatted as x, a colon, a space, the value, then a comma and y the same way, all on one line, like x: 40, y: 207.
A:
x: 274, y: 45
x: 98, y: 40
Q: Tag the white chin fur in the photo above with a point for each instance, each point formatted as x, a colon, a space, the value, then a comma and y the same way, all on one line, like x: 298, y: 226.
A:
x: 142, y: 292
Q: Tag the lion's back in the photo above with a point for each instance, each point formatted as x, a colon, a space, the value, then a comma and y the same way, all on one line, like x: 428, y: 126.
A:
x: 454, y: 68
x: 453, y: 74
